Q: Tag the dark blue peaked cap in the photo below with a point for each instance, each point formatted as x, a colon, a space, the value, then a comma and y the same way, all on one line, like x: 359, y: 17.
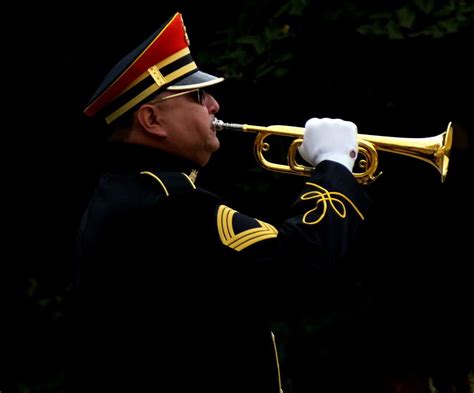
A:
x: 163, y: 61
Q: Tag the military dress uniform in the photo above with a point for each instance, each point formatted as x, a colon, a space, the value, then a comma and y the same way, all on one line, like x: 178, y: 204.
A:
x: 177, y: 288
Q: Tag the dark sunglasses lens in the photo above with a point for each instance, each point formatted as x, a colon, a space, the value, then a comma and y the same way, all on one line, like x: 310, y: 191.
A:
x: 200, y: 96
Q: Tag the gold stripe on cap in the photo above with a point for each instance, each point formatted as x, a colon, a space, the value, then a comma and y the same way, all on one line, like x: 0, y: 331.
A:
x: 175, y: 56
x: 150, y: 90
x: 181, y: 71
x: 130, y: 104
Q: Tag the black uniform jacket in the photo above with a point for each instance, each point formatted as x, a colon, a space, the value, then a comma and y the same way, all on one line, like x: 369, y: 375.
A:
x: 176, y: 287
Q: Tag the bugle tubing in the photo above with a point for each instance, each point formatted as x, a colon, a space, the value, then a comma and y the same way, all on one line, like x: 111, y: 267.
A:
x: 433, y: 150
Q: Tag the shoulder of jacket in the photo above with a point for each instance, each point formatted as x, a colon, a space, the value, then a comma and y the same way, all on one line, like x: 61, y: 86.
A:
x: 170, y: 183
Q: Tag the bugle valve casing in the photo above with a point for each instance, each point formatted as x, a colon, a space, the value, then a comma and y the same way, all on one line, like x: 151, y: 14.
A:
x: 433, y: 150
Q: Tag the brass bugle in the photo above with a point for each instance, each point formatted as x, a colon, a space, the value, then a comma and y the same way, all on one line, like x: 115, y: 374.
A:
x: 433, y: 150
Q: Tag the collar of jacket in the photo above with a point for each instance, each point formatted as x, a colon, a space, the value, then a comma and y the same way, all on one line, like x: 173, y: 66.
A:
x: 126, y: 157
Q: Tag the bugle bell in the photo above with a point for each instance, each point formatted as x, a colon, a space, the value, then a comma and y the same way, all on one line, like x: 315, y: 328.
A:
x: 433, y: 150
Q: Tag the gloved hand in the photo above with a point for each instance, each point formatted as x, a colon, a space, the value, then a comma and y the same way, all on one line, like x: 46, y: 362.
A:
x: 329, y: 139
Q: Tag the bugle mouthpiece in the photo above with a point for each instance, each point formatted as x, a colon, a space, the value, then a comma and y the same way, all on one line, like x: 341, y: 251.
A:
x: 219, y: 125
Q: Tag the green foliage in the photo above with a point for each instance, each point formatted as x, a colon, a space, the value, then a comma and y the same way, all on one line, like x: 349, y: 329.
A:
x: 253, y: 51
x: 262, y: 44
x: 415, y: 18
x: 55, y: 384
x: 45, y: 304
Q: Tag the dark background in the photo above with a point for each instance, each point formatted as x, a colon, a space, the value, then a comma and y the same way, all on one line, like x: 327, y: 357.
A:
x: 401, y: 68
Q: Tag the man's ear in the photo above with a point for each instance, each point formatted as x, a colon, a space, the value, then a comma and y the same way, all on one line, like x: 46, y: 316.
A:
x: 149, y: 119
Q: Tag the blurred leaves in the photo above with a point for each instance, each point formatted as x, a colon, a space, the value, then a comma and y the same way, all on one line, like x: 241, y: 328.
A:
x: 415, y: 18
x: 252, y: 53
x: 262, y: 42
x: 45, y: 303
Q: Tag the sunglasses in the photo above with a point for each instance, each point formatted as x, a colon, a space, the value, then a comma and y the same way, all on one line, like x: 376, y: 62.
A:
x: 197, y: 94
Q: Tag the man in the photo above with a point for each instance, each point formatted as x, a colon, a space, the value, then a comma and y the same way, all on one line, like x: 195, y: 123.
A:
x: 176, y: 288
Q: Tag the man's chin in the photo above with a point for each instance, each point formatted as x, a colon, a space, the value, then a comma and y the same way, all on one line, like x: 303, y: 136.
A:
x: 216, y: 144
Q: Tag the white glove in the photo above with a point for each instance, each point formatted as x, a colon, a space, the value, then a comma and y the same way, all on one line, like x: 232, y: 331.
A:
x: 329, y: 139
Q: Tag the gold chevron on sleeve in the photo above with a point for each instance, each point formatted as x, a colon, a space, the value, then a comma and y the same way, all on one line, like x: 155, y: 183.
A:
x: 245, y: 238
